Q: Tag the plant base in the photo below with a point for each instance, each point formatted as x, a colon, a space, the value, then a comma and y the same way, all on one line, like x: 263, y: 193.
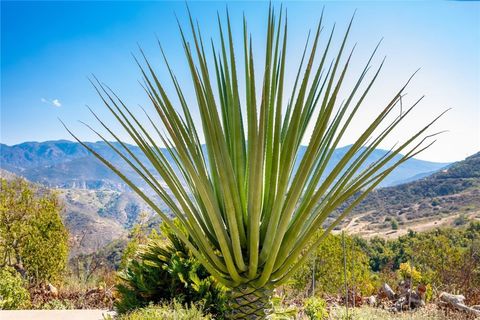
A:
x: 249, y: 303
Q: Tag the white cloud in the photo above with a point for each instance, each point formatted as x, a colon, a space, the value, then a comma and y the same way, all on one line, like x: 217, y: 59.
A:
x: 53, y: 102
x: 56, y: 103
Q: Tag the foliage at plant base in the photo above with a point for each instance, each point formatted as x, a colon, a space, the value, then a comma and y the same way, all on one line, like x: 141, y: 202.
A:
x: 33, y: 238
x: 173, y: 311
x: 13, y: 294
x: 328, y: 264
x: 280, y: 310
x: 315, y: 308
x: 164, y: 269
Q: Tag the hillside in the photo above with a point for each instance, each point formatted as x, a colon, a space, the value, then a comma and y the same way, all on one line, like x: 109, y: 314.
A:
x: 443, y: 198
x: 95, y: 218
x: 65, y: 164
x: 99, y: 208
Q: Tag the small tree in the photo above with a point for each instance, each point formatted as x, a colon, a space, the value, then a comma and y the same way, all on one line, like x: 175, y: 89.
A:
x: 138, y: 236
x: 13, y: 294
x: 33, y: 238
x: 394, y: 224
x: 328, y: 268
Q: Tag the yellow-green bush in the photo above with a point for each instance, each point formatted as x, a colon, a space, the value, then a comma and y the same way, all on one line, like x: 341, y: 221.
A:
x: 315, y: 308
x: 281, y: 310
x: 32, y: 233
x: 408, y: 272
x: 328, y: 265
x: 13, y: 294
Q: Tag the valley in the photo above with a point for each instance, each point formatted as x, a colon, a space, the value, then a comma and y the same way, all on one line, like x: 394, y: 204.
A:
x: 100, y: 209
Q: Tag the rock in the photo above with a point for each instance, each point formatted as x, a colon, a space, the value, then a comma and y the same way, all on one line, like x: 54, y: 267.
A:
x: 458, y: 302
x: 400, y: 304
x: 404, y: 287
x: 372, y: 301
x: 416, y: 299
x: 422, y: 289
x: 52, y: 290
x: 452, y: 298
x: 385, y: 289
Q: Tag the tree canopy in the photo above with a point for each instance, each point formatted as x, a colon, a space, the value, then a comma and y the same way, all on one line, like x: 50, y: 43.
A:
x: 33, y: 238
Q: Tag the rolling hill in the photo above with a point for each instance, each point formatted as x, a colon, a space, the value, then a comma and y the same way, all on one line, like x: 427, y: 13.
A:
x: 447, y: 197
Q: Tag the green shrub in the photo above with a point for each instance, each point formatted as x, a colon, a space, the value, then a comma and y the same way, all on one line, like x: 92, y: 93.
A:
x: 407, y: 272
x: 328, y: 264
x: 394, y: 224
x: 57, y: 304
x: 13, y: 294
x: 428, y: 293
x: 164, y: 270
x: 32, y: 233
x: 315, y: 308
x: 461, y: 220
x: 174, y: 311
x: 446, y: 258
x: 281, y: 311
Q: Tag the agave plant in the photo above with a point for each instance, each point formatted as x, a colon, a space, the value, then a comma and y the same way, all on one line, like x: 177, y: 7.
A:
x: 248, y: 201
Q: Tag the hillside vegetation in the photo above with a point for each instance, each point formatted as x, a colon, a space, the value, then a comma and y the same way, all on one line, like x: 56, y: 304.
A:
x: 97, y: 217
x: 449, y: 197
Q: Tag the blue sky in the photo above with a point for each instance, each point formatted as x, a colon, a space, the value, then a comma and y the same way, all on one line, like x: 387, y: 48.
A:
x: 48, y: 49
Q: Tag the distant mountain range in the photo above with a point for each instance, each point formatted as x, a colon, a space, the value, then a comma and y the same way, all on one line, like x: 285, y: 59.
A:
x: 66, y: 164
x: 99, y: 208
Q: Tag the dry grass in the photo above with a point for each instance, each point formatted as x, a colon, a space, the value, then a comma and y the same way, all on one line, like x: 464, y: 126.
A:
x: 73, y: 295
x: 430, y: 312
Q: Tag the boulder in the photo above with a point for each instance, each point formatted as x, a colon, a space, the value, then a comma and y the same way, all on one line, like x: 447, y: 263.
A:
x: 458, y: 302
x: 52, y: 290
x: 372, y: 301
x: 387, y: 291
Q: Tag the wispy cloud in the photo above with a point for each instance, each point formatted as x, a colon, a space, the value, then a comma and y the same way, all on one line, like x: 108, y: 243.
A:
x: 52, y: 102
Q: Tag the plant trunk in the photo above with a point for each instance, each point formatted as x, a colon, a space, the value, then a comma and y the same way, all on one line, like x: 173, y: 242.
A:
x: 249, y: 303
